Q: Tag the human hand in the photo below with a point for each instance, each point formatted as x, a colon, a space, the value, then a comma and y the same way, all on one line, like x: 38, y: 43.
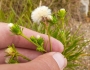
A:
x: 50, y: 61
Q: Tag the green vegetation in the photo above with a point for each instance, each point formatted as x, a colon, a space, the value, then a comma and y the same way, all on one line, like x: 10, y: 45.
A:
x: 19, y: 12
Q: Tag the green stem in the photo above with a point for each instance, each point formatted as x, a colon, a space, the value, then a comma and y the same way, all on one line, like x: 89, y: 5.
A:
x: 44, y: 51
x: 46, y: 29
x: 28, y: 39
x: 46, y: 32
x: 62, y: 22
x: 24, y: 57
x: 50, y: 42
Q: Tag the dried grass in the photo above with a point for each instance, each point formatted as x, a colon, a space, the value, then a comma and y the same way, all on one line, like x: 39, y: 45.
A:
x: 72, y: 6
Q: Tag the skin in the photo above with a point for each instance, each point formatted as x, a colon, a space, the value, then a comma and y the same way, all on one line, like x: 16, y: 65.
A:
x: 28, y: 49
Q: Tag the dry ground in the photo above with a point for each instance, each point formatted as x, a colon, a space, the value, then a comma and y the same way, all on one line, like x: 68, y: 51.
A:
x: 85, y: 28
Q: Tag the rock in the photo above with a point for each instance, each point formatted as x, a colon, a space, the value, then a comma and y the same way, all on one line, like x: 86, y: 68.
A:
x: 84, y: 7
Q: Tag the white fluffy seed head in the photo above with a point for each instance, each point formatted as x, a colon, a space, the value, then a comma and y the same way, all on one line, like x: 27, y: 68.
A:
x: 39, y: 12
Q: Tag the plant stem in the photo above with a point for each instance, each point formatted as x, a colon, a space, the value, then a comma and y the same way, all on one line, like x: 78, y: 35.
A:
x: 24, y: 57
x: 40, y: 3
x: 31, y: 41
x: 28, y: 39
x: 62, y: 22
x: 51, y: 3
x: 50, y: 42
x: 46, y: 32
x: 64, y: 33
x: 44, y: 51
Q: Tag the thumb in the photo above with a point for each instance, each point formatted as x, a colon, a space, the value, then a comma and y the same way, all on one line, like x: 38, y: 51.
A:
x: 48, y: 61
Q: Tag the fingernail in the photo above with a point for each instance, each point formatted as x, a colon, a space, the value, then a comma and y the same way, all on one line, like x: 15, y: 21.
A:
x: 60, y: 60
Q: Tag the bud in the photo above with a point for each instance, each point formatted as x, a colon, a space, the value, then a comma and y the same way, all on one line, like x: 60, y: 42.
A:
x: 9, y: 50
x: 62, y: 13
x: 40, y: 49
x: 40, y: 40
x: 14, y: 28
x: 7, y: 59
x: 49, y: 17
x: 38, y: 36
x: 11, y: 60
x: 10, y: 25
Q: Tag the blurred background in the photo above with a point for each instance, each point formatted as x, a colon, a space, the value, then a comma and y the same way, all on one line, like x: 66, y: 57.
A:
x: 78, y: 12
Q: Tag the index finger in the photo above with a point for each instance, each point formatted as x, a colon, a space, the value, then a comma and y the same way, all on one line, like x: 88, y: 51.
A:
x: 18, y: 41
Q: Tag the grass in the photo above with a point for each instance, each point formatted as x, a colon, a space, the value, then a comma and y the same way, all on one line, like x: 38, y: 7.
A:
x: 19, y: 11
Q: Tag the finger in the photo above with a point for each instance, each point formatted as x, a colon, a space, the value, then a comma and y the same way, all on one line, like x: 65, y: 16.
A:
x: 49, y: 61
x: 31, y: 54
x: 7, y: 39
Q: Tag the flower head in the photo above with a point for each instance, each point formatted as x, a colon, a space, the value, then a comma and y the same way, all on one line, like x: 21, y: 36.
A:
x: 9, y: 50
x: 14, y: 28
x: 39, y: 13
x: 62, y: 13
x: 62, y: 9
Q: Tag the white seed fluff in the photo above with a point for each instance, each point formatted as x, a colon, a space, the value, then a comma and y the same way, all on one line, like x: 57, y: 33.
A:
x: 39, y: 12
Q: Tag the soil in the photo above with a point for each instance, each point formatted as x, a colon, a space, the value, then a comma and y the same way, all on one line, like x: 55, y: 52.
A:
x: 85, y: 28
